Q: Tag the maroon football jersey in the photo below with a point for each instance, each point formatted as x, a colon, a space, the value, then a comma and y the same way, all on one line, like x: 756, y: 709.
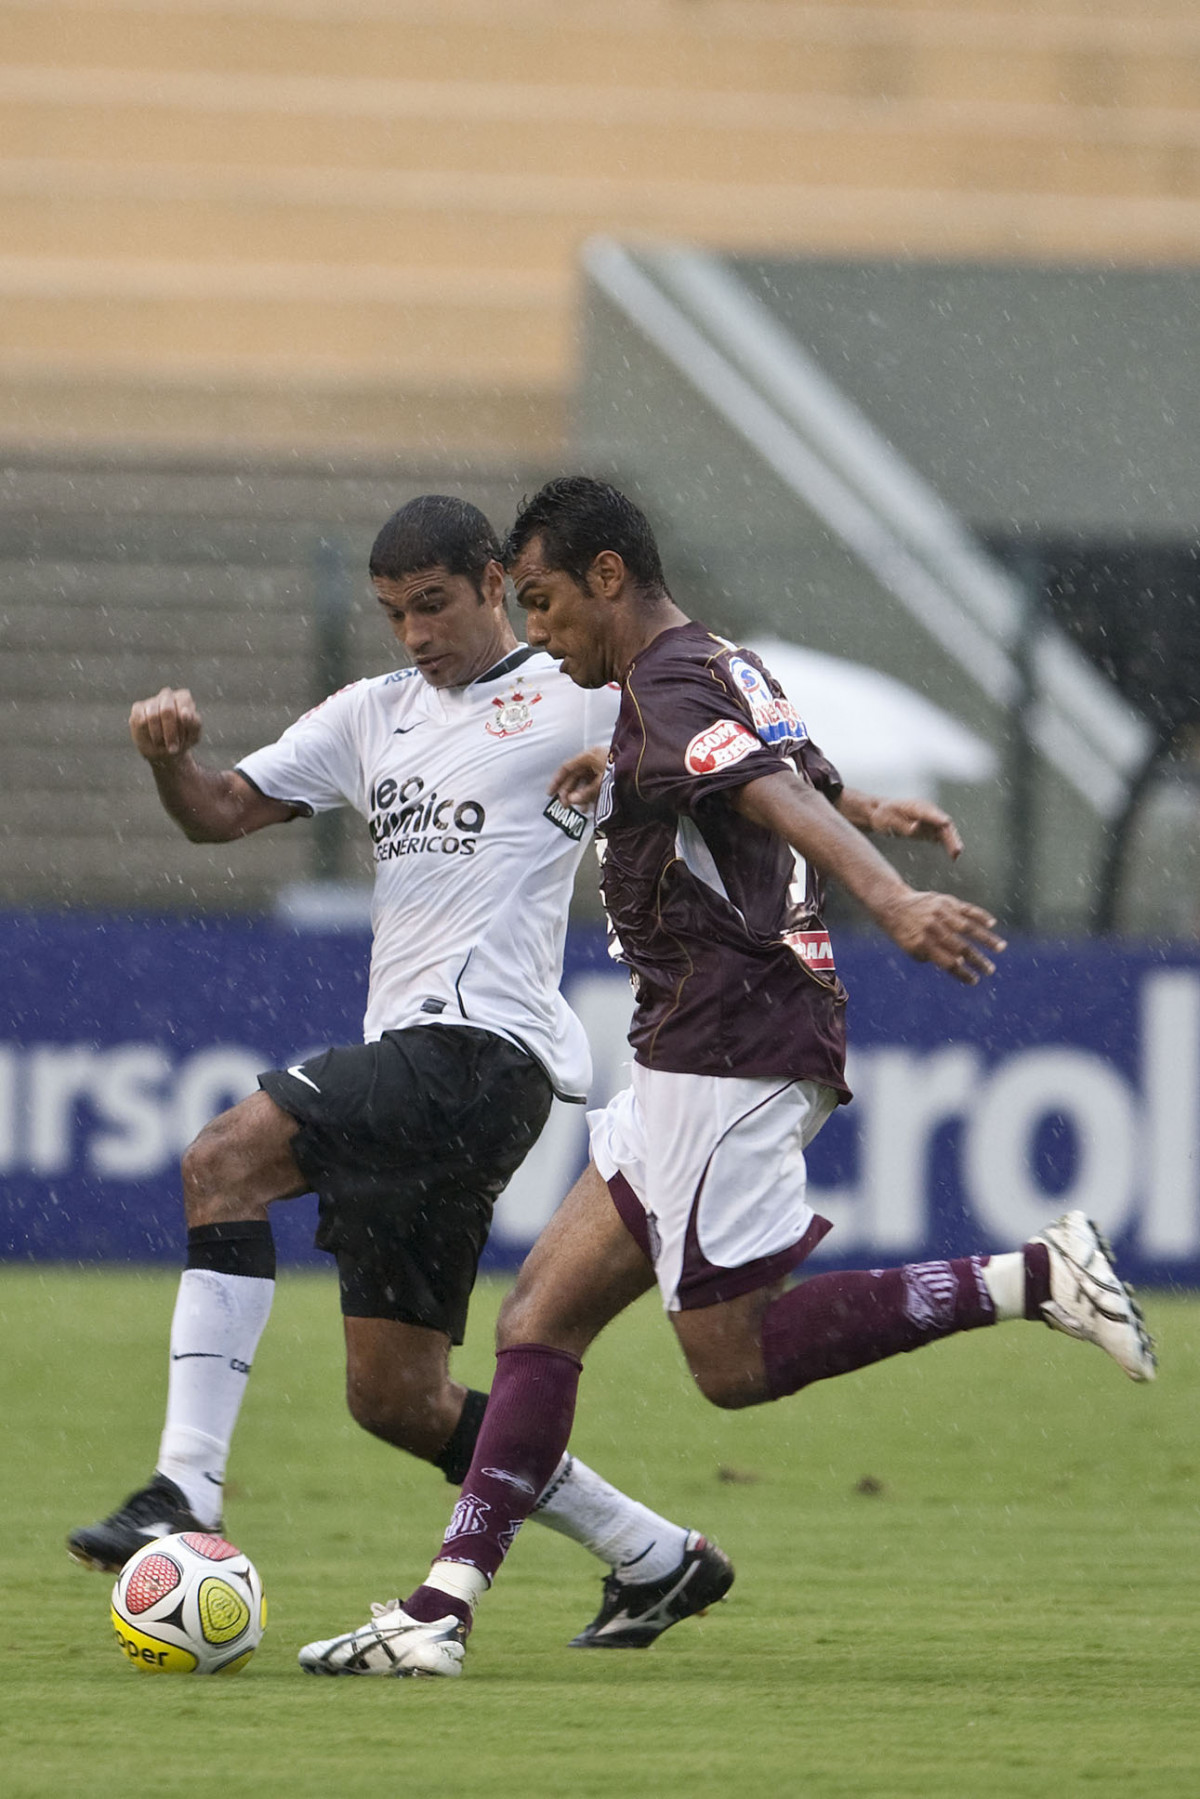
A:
x: 718, y: 919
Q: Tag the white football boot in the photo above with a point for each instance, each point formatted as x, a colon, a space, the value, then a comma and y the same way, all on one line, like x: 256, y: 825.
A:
x: 1089, y: 1300
x: 392, y: 1643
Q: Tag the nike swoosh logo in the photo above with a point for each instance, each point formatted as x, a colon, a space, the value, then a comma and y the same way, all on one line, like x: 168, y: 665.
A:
x: 403, y: 730
x: 197, y: 1355
x: 301, y: 1076
x: 214, y: 1480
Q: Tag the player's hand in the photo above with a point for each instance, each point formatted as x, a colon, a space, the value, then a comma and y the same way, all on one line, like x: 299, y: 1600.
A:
x: 577, y: 782
x: 166, y: 726
x: 919, y: 820
x: 951, y: 933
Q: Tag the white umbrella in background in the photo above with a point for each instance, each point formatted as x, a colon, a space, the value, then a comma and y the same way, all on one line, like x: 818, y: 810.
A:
x: 881, y: 735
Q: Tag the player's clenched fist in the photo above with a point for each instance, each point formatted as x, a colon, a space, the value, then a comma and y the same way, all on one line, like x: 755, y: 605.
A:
x: 165, y: 726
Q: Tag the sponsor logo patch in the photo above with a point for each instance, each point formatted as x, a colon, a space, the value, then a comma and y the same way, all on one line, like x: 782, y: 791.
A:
x: 406, y: 819
x: 572, y: 823
x: 775, y: 720
x: 721, y: 744
x: 813, y: 948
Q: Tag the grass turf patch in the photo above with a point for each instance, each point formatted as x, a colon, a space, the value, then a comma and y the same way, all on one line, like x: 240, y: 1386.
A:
x: 961, y: 1574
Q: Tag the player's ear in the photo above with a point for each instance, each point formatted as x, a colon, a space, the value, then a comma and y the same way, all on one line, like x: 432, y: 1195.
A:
x: 491, y: 584
x: 606, y: 576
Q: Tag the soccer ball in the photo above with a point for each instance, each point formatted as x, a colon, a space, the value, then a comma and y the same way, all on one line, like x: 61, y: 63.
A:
x: 189, y: 1604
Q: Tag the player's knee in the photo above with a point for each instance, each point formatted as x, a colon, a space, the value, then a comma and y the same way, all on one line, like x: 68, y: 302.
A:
x: 379, y: 1414
x: 409, y: 1415
x: 207, y: 1169
x: 729, y: 1387
x: 520, y: 1320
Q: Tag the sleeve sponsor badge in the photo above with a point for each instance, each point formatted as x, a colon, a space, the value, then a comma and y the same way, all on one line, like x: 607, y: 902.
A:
x: 572, y: 823
x: 775, y: 719
x: 718, y: 746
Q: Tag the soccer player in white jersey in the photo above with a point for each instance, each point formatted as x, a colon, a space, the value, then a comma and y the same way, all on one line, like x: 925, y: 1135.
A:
x: 409, y: 1138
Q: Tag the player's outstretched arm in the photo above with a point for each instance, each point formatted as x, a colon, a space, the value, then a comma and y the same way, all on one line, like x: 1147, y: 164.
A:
x: 931, y: 927
x: 209, y: 805
x: 918, y: 820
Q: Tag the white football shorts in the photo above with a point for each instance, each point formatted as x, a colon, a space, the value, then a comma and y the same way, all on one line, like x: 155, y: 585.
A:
x: 708, y: 1175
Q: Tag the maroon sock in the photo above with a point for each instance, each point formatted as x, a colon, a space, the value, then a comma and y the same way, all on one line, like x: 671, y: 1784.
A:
x: 1037, y: 1280
x: 521, y: 1442
x: 835, y: 1322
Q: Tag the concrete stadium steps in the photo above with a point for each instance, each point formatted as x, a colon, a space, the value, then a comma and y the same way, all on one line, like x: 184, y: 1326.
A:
x: 257, y: 123
x: 508, y: 325
x: 910, y: 51
x: 69, y: 863
x: 354, y: 222
x: 80, y: 210
x: 118, y: 577
x: 62, y: 400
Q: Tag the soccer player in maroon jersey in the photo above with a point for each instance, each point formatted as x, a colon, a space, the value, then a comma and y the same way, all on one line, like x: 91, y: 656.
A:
x: 718, y: 817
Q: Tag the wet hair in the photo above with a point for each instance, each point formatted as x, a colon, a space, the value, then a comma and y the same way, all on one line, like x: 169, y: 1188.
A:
x: 576, y: 517
x: 435, y: 531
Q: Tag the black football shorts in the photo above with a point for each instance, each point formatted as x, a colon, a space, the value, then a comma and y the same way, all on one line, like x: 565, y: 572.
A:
x: 408, y: 1143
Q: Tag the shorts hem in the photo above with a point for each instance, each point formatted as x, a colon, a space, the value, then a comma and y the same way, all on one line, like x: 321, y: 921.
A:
x: 631, y: 1212
x: 706, y: 1284
x: 710, y: 1285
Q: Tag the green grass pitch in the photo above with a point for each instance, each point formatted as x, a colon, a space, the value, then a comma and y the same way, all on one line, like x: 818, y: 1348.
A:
x: 970, y: 1572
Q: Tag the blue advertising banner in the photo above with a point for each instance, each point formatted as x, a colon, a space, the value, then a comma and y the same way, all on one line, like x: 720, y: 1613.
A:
x: 1072, y: 1079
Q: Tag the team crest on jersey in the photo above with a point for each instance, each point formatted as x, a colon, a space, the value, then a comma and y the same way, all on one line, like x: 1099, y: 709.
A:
x: 513, y: 714
x: 720, y: 744
x: 775, y: 719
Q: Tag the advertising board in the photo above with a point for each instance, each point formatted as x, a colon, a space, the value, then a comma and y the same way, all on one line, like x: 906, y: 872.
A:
x: 1071, y: 1079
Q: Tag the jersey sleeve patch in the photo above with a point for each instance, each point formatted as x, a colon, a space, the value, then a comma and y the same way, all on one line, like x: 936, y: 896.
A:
x: 776, y: 720
x: 718, y: 746
x: 570, y: 822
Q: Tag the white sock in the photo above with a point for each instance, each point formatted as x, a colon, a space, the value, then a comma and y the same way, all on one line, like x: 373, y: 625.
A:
x: 636, y: 1543
x: 1004, y: 1278
x: 214, y: 1334
x: 458, y: 1579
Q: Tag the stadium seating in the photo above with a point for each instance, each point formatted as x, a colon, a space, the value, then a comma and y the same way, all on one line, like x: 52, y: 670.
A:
x: 353, y: 223
x: 118, y: 576
x: 269, y: 266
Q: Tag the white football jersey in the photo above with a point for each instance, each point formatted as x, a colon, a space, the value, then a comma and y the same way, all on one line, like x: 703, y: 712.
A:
x: 474, y: 863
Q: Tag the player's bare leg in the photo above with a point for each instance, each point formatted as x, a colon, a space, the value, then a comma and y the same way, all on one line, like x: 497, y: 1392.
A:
x: 722, y: 1345
x: 240, y: 1163
x: 771, y: 1342
x: 237, y: 1167
x: 582, y: 1272
x: 761, y: 1345
x: 398, y: 1384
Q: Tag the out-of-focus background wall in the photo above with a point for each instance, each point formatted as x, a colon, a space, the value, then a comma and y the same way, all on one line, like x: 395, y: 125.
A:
x: 890, y: 314
x: 922, y: 395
